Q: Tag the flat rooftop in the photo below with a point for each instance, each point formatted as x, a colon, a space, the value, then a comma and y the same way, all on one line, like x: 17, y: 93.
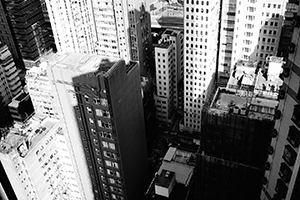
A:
x: 32, y: 131
x: 179, y: 156
x: 83, y: 63
x: 242, y: 102
x: 165, y: 178
x: 163, y: 45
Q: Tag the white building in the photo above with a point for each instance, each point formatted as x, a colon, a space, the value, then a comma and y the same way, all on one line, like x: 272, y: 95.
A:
x: 201, y: 28
x: 169, y: 72
x: 226, y: 35
x: 10, y: 84
x: 119, y: 29
x: 257, y: 29
x: 36, y: 161
x: 282, y: 174
x: 40, y: 91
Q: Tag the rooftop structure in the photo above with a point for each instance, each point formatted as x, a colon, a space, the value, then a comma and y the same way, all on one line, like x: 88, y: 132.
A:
x: 181, y: 162
x: 28, y: 133
x: 173, y: 179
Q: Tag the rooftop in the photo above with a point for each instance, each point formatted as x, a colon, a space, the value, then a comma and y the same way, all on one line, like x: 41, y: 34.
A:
x: 165, y: 178
x: 179, y: 156
x: 242, y: 102
x: 30, y: 133
x: 83, y: 63
x: 163, y: 45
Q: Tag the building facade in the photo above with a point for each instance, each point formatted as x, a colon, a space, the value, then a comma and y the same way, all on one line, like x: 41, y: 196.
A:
x: 101, y: 104
x: 40, y: 91
x: 169, y: 73
x: 236, y: 135
x: 228, y: 13
x: 34, y: 162
x: 10, y: 84
x: 201, y: 29
x: 24, y: 31
x: 119, y: 29
x: 257, y: 29
x: 283, y: 177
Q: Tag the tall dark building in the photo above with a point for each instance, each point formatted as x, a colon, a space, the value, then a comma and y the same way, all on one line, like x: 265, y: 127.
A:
x: 102, y: 108
x: 23, y: 29
x: 236, y: 134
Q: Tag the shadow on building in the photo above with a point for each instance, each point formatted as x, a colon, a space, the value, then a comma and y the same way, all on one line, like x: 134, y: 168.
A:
x: 111, y: 125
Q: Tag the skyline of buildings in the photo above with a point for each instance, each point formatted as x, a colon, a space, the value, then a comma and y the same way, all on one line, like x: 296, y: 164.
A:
x: 224, y: 90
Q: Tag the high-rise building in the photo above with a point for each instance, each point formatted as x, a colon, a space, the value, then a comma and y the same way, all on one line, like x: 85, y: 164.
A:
x: 257, y: 29
x: 36, y: 165
x: 236, y: 135
x: 101, y: 105
x: 169, y: 73
x: 228, y: 13
x: 201, y: 29
x: 40, y: 91
x: 283, y: 176
x: 24, y: 30
x: 119, y: 29
x: 10, y: 84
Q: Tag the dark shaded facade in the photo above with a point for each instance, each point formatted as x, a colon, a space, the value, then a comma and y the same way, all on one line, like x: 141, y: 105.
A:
x: 23, y: 29
x: 111, y: 120
x: 232, y: 157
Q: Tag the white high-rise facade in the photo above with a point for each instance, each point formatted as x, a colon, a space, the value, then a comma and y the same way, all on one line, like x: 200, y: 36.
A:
x: 115, y: 29
x: 201, y: 28
x: 257, y: 29
x: 169, y: 71
x: 35, y: 158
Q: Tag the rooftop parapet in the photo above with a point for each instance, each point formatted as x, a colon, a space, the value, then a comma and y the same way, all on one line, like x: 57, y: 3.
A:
x: 242, y: 102
x: 24, y: 136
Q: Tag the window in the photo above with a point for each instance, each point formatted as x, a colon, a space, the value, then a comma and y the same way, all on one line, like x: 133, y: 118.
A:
x: 86, y: 98
x: 112, y: 146
x: 289, y: 155
x: 89, y: 110
x: 296, y: 115
x: 285, y: 173
x: 104, y: 144
x: 104, y: 124
x: 91, y: 121
x: 100, y: 101
x: 281, y: 188
x: 294, y: 136
x: 298, y: 94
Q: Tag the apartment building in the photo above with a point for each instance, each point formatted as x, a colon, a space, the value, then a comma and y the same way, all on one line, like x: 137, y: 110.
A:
x: 119, y: 29
x: 228, y: 13
x: 101, y: 105
x: 24, y: 31
x: 40, y: 91
x: 257, y: 29
x: 201, y: 29
x: 10, y: 84
x: 36, y: 165
x: 282, y: 175
x: 169, y: 73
